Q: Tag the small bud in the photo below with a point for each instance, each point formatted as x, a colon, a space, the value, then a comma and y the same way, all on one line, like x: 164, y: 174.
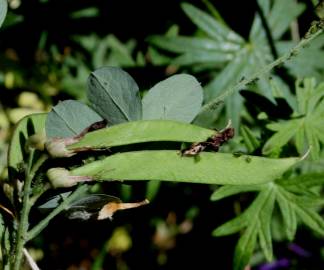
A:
x: 36, y: 141
x: 61, y: 177
x: 57, y: 147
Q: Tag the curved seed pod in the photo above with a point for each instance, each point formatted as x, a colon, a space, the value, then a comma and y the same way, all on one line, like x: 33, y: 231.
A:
x: 142, y: 131
x: 168, y: 165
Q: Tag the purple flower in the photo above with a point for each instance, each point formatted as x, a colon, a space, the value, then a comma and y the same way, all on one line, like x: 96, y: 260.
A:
x: 299, y: 250
x: 279, y: 264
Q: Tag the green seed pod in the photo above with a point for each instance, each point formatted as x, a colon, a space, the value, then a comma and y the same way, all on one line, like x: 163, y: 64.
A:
x: 140, y: 132
x: 168, y: 165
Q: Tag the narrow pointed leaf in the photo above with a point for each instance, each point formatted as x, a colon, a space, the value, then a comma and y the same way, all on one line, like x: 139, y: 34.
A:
x: 114, y: 94
x: 210, y: 25
x: 245, y: 247
x: 300, y: 141
x: 264, y: 233
x: 176, y: 98
x: 169, y: 165
x: 304, y: 181
x: 256, y: 222
x: 143, y: 131
x: 226, y: 191
x: 230, y: 74
x: 312, y: 219
x: 233, y: 226
x: 202, y: 57
x: 280, y: 21
x: 69, y: 118
x: 312, y: 140
x: 182, y: 44
x: 287, y: 131
x: 249, y: 138
x: 288, y: 216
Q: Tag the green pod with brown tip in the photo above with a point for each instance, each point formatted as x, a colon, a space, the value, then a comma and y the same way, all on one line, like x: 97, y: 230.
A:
x: 141, y: 132
x: 169, y: 165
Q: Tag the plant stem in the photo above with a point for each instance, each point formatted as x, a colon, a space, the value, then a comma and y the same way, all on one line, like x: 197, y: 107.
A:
x: 26, y: 206
x: 310, y: 35
x: 23, y: 222
x: 41, y: 225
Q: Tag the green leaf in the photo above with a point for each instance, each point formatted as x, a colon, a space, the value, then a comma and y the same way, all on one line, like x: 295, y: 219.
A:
x: 143, y: 131
x: 183, y: 44
x: 2, y: 227
x: 233, y: 226
x: 209, y: 168
x: 208, y: 117
x: 258, y: 217
x: 203, y: 57
x: 233, y: 72
x: 209, y: 25
x: 226, y: 191
x: 3, y: 10
x: 249, y: 138
x: 69, y: 118
x: 26, y: 127
x: 54, y: 201
x: 295, y: 201
x: 308, y: 61
x: 264, y: 232
x: 280, y: 21
x: 303, y: 182
x: 245, y: 58
x: 288, y: 216
x: 312, y: 219
x: 286, y: 131
x: 114, y: 94
x: 152, y: 189
x: 257, y: 220
x: 85, y: 13
x: 244, y: 248
x: 177, y: 98
x: 307, y: 129
x: 303, y: 206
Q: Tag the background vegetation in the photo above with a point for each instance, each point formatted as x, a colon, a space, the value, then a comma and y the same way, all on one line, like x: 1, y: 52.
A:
x: 47, y: 51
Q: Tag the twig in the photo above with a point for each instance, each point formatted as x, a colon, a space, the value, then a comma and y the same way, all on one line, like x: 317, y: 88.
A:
x: 30, y: 260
